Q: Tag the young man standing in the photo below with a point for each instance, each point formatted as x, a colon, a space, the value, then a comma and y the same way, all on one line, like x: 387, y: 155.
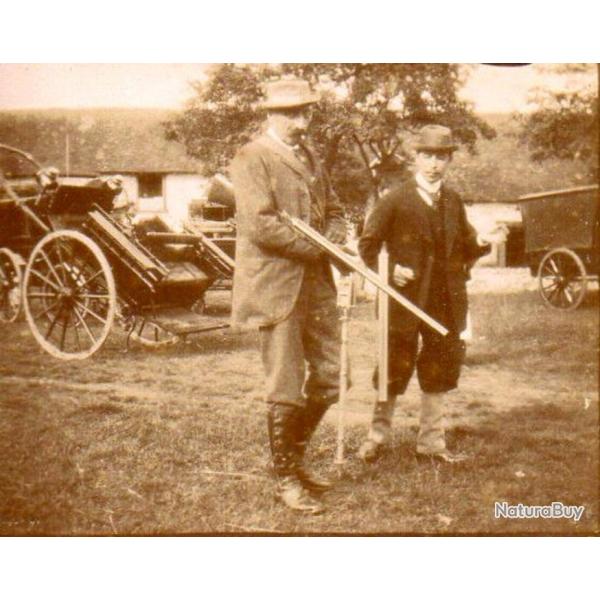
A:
x: 283, y: 284
x: 431, y: 247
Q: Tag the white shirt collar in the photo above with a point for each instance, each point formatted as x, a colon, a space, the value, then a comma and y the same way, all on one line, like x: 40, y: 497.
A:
x: 426, y: 189
x: 432, y: 188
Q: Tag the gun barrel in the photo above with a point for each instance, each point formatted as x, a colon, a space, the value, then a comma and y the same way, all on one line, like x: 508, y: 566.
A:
x: 333, y: 250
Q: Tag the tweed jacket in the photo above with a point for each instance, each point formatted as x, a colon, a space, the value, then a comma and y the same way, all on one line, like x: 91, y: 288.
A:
x: 400, y: 220
x: 270, y: 257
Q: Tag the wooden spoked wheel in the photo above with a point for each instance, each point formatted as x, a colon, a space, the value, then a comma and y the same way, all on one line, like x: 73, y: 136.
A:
x: 69, y: 295
x: 10, y: 286
x: 562, y: 279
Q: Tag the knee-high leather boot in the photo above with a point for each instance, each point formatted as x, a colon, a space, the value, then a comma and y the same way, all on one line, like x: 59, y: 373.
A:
x: 283, y: 424
x: 309, y: 421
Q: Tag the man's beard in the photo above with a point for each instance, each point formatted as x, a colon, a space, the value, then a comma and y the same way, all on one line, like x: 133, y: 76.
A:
x: 297, y: 136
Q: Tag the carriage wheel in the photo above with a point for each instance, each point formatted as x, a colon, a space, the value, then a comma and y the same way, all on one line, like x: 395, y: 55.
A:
x: 562, y: 279
x: 10, y: 286
x: 69, y: 295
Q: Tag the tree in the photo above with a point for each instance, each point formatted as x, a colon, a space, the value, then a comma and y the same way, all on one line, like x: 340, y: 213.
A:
x: 367, y: 112
x: 565, y: 122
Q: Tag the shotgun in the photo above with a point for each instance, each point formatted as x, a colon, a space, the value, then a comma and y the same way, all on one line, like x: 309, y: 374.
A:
x: 339, y: 256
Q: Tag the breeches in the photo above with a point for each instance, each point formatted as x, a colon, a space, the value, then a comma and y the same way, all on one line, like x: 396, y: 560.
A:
x: 439, y: 359
x: 300, y: 354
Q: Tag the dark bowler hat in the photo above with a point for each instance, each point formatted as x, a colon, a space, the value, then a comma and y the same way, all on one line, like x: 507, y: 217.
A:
x: 435, y: 137
x: 288, y: 93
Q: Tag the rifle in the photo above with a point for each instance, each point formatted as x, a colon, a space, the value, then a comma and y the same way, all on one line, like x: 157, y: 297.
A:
x: 339, y: 256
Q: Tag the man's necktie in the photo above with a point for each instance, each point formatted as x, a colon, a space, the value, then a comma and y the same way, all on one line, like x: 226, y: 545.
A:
x: 433, y: 196
x: 302, y: 156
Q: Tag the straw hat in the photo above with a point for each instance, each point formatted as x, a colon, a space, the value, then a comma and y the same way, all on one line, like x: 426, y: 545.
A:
x: 288, y: 93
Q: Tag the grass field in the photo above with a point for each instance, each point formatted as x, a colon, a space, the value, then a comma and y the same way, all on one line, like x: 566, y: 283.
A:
x: 174, y: 441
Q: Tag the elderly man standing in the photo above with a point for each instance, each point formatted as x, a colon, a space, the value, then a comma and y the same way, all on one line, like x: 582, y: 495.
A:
x: 284, y: 285
x: 431, y: 247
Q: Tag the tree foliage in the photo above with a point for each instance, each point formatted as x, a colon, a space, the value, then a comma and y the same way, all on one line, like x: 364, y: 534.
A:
x: 367, y: 113
x: 565, y: 123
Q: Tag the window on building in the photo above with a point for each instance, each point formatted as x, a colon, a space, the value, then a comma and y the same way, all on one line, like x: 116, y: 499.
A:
x: 150, y: 185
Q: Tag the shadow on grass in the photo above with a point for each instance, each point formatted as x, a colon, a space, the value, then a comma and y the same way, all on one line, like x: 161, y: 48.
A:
x: 202, y: 469
x: 26, y: 352
x: 210, y: 342
x: 532, y: 455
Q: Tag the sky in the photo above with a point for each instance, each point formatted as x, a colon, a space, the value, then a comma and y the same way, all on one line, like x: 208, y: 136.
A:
x: 490, y: 88
x: 96, y: 85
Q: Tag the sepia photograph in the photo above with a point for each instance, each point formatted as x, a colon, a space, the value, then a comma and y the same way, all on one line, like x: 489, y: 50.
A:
x: 299, y: 299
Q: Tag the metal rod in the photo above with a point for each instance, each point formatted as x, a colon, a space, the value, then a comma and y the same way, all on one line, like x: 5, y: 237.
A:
x: 341, y: 415
x: 345, y: 294
x: 383, y: 303
x: 354, y: 265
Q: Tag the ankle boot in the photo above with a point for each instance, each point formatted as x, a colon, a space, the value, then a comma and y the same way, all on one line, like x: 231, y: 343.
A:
x: 379, y: 433
x: 431, y: 438
x: 283, y: 423
x: 310, y: 419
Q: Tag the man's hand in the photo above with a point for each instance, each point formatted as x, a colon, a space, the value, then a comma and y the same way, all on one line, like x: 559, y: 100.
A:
x: 402, y: 275
x: 336, y: 233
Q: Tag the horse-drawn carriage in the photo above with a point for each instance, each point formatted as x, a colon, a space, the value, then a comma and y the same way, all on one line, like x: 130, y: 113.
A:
x: 561, y: 242
x: 74, y: 268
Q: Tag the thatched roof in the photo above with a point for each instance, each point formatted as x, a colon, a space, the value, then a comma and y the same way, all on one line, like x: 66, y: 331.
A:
x: 99, y: 140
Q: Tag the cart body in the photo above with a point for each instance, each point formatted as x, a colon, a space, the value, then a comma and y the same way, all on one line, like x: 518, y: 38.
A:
x: 561, y: 242
x: 74, y: 267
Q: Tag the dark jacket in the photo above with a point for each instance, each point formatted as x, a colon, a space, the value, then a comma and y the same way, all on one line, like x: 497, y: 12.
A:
x: 400, y: 219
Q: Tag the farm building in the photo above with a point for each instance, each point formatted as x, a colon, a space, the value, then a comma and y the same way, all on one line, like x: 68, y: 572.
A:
x: 157, y: 174
x: 161, y: 179
x: 483, y: 215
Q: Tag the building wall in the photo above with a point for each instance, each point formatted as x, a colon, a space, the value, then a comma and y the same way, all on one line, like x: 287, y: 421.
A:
x: 484, y: 216
x: 179, y: 190
x: 130, y: 187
